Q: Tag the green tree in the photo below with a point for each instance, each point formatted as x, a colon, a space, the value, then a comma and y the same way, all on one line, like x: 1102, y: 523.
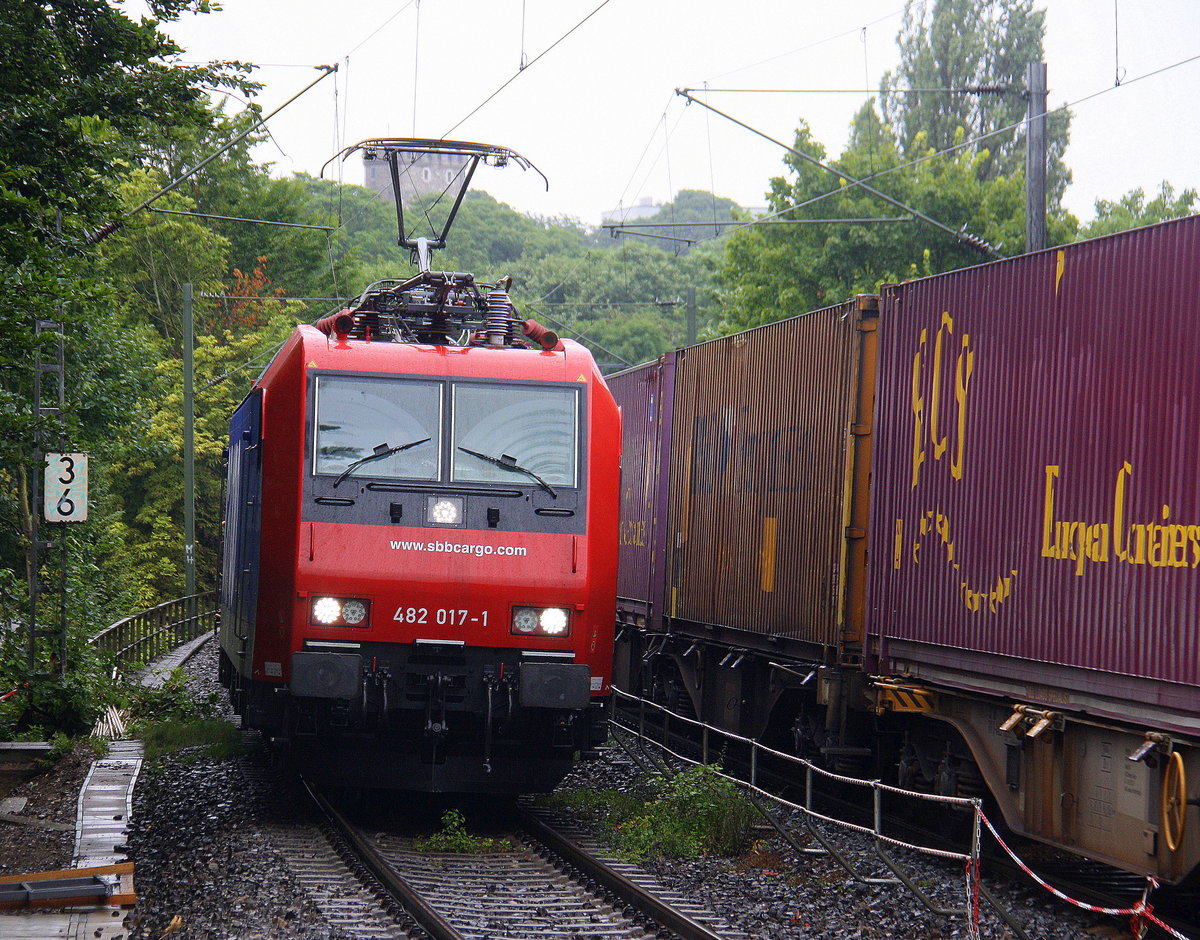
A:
x: 775, y: 271
x: 153, y: 255
x: 693, y: 214
x: 1133, y: 210
x: 623, y: 297
x: 305, y: 262
x: 151, y: 491
x: 82, y: 90
x: 949, y: 46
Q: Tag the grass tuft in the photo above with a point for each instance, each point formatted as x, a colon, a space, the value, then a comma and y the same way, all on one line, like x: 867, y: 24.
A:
x: 214, y: 738
x: 454, y: 838
x: 695, y: 812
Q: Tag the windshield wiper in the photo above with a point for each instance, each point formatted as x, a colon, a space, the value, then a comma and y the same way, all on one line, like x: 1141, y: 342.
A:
x: 509, y: 462
x: 380, y: 450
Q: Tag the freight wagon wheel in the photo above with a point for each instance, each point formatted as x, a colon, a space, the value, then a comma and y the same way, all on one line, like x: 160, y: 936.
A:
x: 1174, y: 801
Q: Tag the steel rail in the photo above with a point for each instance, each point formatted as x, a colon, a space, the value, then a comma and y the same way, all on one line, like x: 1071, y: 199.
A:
x: 661, y: 912
x: 410, y: 899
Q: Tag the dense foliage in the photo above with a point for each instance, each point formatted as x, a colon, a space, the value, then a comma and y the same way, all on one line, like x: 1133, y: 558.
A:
x: 681, y: 815
x: 963, y: 70
x: 99, y: 119
x: 86, y: 92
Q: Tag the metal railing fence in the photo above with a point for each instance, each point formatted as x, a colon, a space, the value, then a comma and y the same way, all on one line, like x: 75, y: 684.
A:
x: 1140, y: 913
x: 811, y: 772
x: 151, y: 633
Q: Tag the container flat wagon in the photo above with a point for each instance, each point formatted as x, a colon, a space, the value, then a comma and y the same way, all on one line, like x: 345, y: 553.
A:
x: 949, y: 536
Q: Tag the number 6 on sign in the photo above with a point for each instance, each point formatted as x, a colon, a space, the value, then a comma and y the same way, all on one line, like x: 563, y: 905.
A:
x: 65, y: 488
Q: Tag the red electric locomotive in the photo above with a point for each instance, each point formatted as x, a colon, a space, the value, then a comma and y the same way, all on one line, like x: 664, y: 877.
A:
x: 420, y: 550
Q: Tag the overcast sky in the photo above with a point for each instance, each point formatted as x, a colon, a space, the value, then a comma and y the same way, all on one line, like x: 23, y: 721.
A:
x: 598, y: 113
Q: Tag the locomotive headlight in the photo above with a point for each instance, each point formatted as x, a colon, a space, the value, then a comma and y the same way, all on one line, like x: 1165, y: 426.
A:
x: 340, y: 612
x: 326, y: 610
x: 553, y: 621
x: 525, y: 620
x: 354, y: 612
x: 445, y: 510
x: 541, y: 621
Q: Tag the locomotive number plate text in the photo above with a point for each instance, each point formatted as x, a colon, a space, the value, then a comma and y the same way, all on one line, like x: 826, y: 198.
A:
x: 442, y: 616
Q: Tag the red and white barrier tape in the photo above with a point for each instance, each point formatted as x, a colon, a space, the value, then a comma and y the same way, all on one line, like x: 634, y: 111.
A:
x: 1139, y: 915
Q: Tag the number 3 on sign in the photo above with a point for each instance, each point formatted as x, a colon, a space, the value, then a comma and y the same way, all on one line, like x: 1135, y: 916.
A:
x: 65, y: 489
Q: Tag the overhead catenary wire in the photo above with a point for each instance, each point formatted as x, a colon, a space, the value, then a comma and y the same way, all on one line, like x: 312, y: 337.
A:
x: 235, y: 218
x: 970, y: 142
x: 416, y: 65
x: 969, y: 240
x: 650, y: 138
x: 659, y: 155
x: 111, y: 227
x: 245, y: 365
x: 627, y: 227
x: 998, y: 88
x: 807, y: 46
x: 522, y: 71
x: 378, y: 29
x: 712, y: 176
x: 584, y: 336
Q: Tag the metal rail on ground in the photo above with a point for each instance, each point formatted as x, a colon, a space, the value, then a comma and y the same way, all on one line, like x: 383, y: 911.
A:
x: 410, y: 899
x: 662, y: 913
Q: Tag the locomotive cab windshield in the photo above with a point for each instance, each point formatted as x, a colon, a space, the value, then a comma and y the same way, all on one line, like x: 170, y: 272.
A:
x: 453, y: 432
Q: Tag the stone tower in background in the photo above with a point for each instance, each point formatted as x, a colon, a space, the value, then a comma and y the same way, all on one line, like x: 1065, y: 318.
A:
x: 431, y: 174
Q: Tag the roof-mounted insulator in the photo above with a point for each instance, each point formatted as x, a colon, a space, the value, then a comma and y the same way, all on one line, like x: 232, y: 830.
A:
x: 497, y: 324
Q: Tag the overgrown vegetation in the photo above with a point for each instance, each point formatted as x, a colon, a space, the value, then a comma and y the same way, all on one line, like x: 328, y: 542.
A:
x: 454, y: 838
x: 695, y: 812
x: 211, y: 737
x: 170, y: 718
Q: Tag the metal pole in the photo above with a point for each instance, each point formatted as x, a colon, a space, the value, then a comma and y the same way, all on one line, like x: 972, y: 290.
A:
x: 1035, y: 159
x: 189, y: 450
x: 691, y: 315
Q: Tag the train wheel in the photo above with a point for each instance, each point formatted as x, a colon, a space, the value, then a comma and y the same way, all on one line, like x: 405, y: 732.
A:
x: 1174, y: 802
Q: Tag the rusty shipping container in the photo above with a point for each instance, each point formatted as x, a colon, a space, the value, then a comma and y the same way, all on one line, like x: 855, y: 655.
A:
x: 644, y: 395
x: 769, y: 468
x: 1035, y: 523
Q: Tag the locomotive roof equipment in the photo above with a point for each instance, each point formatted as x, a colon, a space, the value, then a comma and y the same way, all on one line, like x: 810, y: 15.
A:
x: 432, y: 306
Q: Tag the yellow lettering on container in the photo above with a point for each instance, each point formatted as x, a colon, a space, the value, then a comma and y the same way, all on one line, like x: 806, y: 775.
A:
x: 927, y: 411
x: 1154, y: 544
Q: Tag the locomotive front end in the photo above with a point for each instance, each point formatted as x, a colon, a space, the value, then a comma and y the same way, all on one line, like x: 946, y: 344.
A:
x: 455, y: 584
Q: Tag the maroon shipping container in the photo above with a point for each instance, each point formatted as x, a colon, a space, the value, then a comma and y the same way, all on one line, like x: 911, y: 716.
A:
x: 1035, y: 519
x: 644, y: 395
x: 769, y: 468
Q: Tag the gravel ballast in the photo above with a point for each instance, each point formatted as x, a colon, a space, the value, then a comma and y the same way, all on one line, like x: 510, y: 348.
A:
x: 206, y: 867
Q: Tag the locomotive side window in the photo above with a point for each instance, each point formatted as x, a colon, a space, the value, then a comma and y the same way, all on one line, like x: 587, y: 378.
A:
x: 502, y: 430
x: 391, y: 426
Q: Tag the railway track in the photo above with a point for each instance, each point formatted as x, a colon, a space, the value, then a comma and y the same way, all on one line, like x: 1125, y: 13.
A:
x: 555, y: 883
